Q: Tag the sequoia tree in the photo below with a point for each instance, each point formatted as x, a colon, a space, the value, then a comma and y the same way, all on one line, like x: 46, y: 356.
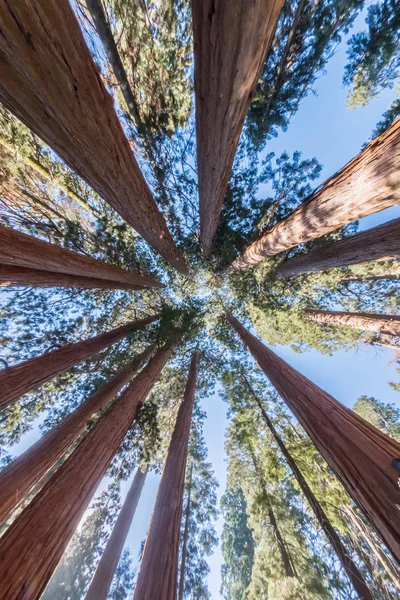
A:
x: 378, y: 243
x: 26, y: 471
x: 360, y: 455
x: 230, y: 46
x: 20, y: 250
x: 365, y: 185
x: 100, y: 585
x: 20, y: 379
x: 50, y: 82
x: 33, y: 545
x: 386, y: 324
x: 158, y: 574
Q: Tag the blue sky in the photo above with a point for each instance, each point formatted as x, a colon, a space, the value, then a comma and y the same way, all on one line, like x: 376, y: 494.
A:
x: 324, y: 128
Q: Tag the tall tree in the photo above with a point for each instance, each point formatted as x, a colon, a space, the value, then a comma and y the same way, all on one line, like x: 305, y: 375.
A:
x: 63, y: 100
x: 230, y: 46
x: 33, y: 545
x: 360, y: 455
x: 378, y: 243
x: 100, y: 585
x: 386, y: 324
x: 350, y: 567
x: 26, y: 471
x: 20, y: 379
x: 158, y: 573
x: 20, y: 250
x: 367, y: 184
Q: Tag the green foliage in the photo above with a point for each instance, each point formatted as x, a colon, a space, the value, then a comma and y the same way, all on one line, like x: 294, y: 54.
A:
x: 381, y: 415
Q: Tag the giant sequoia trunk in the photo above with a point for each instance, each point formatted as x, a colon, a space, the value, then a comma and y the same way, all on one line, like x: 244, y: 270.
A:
x: 158, y: 574
x: 231, y: 41
x: 20, y: 250
x: 359, y: 454
x: 33, y: 545
x: 17, y: 479
x: 102, y: 579
x: 386, y: 324
x: 50, y: 82
x: 22, y: 277
x: 22, y: 378
x: 379, y: 243
x: 349, y: 566
x: 369, y: 183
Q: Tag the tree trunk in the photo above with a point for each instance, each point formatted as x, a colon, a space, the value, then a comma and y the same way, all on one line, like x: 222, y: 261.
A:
x: 22, y: 277
x: 231, y: 41
x: 359, y: 454
x: 33, y: 545
x: 379, y: 243
x: 285, y: 558
x: 348, y: 565
x: 185, y: 538
x: 158, y: 573
x: 24, y: 472
x: 50, y: 81
x: 26, y: 376
x: 20, y: 250
x: 367, y: 184
x: 104, y: 574
x: 386, y: 324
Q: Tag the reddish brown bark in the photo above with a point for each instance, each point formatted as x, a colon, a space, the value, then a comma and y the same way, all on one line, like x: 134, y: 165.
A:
x: 158, y: 574
x: 20, y: 250
x: 33, y: 545
x: 386, y: 324
x: 185, y: 538
x: 349, y: 566
x: 368, y: 183
x: 17, y: 479
x: 22, y: 378
x: 379, y: 243
x: 102, y: 579
x: 231, y: 41
x: 50, y: 82
x: 359, y: 454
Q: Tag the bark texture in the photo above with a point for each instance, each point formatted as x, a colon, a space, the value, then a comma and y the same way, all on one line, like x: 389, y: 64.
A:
x: 349, y: 566
x: 24, y: 277
x: 20, y: 250
x: 22, y: 378
x: 33, y: 545
x: 50, y: 82
x: 386, y: 324
x: 19, y: 477
x: 231, y: 41
x: 158, y: 574
x: 102, y: 579
x: 379, y: 243
x: 359, y: 454
x: 368, y: 183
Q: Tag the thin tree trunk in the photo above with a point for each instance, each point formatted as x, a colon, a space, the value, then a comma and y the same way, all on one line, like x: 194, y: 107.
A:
x: 391, y: 572
x: 383, y: 340
x: 359, y: 454
x: 367, y: 184
x: 20, y: 250
x: 24, y: 472
x: 33, y: 545
x: 231, y: 41
x: 100, y: 585
x: 379, y: 243
x: 50, y: 81
x: 386, y: 324
x: 158, y: 573
x: 348, y: 564
x: 185, y: 538
x: 26, y: 376
x: 23, y: 277
x: 393, y: 276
